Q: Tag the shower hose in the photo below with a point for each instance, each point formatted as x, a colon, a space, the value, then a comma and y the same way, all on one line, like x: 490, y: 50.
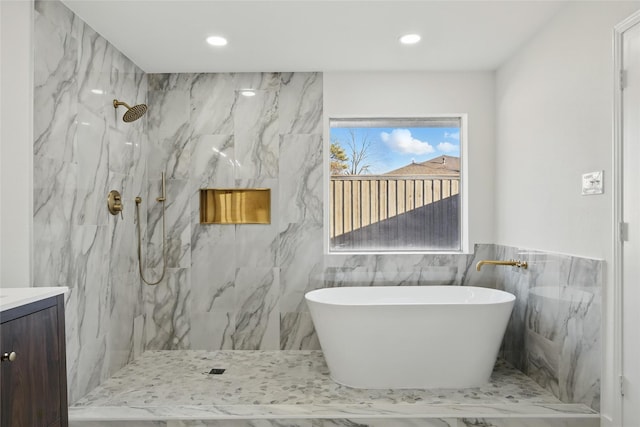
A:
x: 164, y: 245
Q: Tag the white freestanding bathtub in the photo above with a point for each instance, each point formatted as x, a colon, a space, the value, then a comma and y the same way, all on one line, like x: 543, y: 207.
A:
x: 410, y: 336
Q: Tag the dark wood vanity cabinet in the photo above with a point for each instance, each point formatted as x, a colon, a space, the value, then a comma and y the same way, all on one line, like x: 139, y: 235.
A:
x: 33, y: 386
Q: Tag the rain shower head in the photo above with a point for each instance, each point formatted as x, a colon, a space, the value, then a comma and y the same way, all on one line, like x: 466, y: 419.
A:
x: 132, y: 113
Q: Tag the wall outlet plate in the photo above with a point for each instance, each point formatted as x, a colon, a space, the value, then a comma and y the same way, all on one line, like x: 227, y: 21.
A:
x: 593, y: 183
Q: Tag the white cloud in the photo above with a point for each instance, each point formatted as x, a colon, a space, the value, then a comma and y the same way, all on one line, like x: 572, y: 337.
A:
x: 455, y: 135
x: 447, y: 147
x: 401, y: 141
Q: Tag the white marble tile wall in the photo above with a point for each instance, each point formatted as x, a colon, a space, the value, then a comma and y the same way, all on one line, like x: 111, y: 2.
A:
x: 204, y: 134
x: 554, y: 333
x: 82, y: 149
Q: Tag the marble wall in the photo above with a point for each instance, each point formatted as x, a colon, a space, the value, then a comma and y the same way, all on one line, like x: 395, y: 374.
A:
x: 82, y: 150
x: 554, y: 334
x: 229, y: 286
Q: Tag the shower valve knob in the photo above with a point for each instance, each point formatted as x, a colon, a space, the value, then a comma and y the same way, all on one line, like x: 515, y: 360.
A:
x: 114, y: 203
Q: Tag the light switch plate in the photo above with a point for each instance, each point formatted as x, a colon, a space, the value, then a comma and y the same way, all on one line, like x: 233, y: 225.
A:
x: 593, y: 183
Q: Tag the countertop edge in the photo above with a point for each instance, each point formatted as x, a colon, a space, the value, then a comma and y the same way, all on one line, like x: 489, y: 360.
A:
x: 16, y: 297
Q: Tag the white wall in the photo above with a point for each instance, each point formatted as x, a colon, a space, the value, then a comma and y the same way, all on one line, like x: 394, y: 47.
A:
x: 16, y: 142
x: 411, y: 94
x: 554, y: 103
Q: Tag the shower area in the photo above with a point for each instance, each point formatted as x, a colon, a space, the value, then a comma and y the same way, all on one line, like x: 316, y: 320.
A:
x: 231, y: 297
x: 231, y: 287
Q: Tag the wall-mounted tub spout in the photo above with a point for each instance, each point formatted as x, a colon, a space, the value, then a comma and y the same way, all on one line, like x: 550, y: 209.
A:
x: 511, y: 262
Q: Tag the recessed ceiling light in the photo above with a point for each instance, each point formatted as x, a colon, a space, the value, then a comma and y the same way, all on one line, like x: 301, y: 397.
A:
x: 410, y: 39
x: 217, y: 41
x: 248, y: 92
x: 97, y: 91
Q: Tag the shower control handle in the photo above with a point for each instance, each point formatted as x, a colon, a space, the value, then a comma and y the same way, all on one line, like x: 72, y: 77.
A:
x: 114, y: 203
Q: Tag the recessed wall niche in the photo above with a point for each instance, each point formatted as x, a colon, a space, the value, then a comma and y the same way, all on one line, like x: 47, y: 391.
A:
x: 235, y: 206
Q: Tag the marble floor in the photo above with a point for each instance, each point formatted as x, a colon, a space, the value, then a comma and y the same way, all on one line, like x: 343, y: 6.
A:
x: 178, y: 385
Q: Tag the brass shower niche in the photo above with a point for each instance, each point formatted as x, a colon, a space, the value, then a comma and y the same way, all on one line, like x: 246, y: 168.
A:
x: 235, y: 206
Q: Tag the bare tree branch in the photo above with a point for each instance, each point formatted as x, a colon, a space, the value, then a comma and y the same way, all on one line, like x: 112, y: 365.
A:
x: 359, y: 153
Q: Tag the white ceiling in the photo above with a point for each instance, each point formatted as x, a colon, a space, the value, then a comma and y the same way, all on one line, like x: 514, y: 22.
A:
x: 315, y: 35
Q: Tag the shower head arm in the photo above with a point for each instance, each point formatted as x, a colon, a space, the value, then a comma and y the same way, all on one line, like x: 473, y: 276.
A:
x: 117, y: 103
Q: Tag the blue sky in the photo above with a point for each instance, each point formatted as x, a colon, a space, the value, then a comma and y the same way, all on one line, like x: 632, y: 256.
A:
x: 393, y: 148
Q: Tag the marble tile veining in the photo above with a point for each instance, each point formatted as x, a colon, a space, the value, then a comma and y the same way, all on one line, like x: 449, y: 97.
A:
x: 273, y: 384
x: 82, y: 149
x: 554, y: 332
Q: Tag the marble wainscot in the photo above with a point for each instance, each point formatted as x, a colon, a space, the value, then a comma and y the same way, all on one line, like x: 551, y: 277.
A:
x: 293, y: 388
x: 554, y: 333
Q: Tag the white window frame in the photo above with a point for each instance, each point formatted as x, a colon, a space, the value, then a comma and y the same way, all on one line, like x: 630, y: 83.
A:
x: 464, y: 187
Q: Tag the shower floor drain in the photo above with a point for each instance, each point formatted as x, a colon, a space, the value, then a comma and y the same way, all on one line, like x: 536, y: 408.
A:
x: 217, y: 371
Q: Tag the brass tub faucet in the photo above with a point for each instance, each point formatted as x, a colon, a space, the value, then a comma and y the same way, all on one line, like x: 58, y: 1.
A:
x: 511, y: 262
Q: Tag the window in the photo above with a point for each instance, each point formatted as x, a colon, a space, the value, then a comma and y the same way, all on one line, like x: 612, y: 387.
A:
x: 395, y: 185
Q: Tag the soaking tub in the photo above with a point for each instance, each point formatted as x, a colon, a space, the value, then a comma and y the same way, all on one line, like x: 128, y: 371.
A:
x: 410, y: 336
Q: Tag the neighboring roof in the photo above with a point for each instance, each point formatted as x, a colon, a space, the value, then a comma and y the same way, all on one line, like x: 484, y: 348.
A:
x: 441, y: 165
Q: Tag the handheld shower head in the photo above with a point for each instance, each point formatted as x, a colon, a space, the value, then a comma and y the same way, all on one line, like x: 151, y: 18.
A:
x: 132, y: 113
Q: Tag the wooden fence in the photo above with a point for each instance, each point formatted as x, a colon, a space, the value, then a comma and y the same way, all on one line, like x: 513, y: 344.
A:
x: 358, y: 201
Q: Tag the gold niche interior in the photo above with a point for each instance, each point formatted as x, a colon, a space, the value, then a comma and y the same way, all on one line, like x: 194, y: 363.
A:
x: 235, y: 206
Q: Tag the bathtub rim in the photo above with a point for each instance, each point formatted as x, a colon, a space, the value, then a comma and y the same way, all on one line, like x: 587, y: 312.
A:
x: 312, y: 296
